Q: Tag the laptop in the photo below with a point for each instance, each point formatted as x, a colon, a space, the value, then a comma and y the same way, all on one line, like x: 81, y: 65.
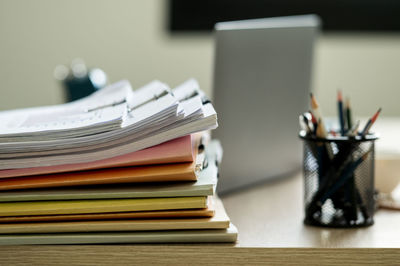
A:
x: 262, y: 81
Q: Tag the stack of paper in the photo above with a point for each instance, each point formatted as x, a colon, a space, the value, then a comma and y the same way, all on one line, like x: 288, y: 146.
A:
x: 119, y: 166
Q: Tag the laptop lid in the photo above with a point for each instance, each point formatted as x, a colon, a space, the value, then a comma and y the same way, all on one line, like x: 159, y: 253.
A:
x: 262, y: 80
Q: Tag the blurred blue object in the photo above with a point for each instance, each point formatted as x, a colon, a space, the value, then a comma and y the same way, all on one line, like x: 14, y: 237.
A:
x: 78, y: 81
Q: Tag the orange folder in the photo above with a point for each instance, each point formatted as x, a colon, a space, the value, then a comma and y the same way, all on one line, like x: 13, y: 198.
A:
x: 174, y: 151
x: 153, y: 173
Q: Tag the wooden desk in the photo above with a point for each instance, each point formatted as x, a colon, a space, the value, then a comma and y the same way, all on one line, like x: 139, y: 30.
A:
x: 269, y: 220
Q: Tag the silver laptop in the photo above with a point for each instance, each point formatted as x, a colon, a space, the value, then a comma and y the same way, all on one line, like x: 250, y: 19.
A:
x: 262, y: 80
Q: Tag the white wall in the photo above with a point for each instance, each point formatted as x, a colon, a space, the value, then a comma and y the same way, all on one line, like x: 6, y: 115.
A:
x: 366, y: 67
x: 128, y: 39
x: 125, y: 38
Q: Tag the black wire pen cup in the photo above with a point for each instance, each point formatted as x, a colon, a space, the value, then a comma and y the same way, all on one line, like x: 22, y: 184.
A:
x: 339, y: 180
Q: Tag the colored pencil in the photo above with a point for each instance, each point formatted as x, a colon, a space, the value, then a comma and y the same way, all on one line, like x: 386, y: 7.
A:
x: 318, y: 115
x: 370, y: 122
x: 340, y: 112
x: 348, y: 114
x: 347, y: 173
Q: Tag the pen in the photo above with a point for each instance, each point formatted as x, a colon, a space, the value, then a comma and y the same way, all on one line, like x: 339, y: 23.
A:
x: 340, y: 112
x: 370, y: 122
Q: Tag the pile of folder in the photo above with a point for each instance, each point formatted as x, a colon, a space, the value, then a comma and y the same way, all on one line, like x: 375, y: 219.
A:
x: 120, y: 166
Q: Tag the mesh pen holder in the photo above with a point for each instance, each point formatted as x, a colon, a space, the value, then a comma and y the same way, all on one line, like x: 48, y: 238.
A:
x: 339, y: 181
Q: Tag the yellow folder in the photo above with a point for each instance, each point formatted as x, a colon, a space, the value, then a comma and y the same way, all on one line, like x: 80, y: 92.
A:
x: 207, y: 212
x: 100, y: 206
x: 219, y: 221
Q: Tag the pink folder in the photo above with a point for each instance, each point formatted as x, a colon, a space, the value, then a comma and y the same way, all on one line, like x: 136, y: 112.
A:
x: 174, y: 151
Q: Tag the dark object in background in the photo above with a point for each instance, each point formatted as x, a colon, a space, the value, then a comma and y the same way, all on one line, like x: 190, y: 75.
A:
x: 348, y: 15
x: 78, y: 81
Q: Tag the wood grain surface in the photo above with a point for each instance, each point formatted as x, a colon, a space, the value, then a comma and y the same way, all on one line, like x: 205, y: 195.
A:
x: 192, y: 254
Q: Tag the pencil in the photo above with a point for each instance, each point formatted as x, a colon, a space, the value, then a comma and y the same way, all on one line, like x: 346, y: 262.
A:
x: 370, y: 122
x: 340, y: 112
x: 354, y: 130
x: 348, y: 114
x: 347, y: 173
x: 320, y: 132
x: 318, y: 116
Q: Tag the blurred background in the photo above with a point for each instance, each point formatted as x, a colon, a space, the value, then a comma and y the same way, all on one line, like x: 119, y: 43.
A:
x: 132, y: 39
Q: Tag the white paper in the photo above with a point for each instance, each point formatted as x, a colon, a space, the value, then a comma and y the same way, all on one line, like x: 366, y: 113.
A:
x: 143, y: 121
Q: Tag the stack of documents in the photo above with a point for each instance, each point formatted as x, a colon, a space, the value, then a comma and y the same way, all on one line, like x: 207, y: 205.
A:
x: 119, y: 166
